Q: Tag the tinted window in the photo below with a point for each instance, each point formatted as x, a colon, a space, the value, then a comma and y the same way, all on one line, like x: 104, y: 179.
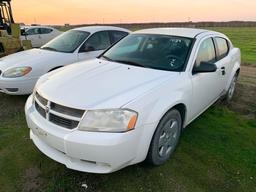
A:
x: 206, y: 52
x: 117, y: 35
x: 33, y: 31
x: 46, y: 30
x: 161, y: 52
x: 222, y: 46
x: 67, y: 42
x: 99, y: 41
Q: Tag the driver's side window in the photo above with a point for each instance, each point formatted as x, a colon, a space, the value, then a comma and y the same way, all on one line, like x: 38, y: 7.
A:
x: 206, y: 52
x: 98, y: 41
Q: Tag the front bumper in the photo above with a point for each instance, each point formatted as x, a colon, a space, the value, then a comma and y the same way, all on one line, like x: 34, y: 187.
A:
x: 17, y: 86
x: 79, y: 150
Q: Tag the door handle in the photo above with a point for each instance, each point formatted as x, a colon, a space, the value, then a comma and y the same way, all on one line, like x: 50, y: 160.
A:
x: 223, y: 70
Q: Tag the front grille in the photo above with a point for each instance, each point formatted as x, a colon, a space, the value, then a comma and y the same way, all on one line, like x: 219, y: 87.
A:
x: 40, y: 110
x: 63, y: 122
x: 42, y: 100
x: 60, y: 115
x: 66, y: 110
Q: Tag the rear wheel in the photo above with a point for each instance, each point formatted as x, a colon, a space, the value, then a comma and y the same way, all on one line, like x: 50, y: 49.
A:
x: 231, y: 90
x: 166, y: 138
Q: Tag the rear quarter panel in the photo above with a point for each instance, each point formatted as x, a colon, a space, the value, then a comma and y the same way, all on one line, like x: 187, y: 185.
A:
x: 235, y: 56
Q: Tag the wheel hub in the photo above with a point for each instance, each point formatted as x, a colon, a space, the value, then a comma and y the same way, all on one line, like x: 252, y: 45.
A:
x: 168, y: 138
x: 232, y: 88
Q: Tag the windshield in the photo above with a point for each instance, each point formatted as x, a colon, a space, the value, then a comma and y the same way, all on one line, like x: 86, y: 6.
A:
x: 67, y: 42
x: 161, y: 52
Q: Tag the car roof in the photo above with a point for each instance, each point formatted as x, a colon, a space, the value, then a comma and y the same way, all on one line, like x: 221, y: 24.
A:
x: 93, y: 29
x: 184, y: 32
x: 35, y: 26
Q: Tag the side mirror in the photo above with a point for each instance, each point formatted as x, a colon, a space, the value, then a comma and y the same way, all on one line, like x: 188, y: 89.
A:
x: 205, y: 67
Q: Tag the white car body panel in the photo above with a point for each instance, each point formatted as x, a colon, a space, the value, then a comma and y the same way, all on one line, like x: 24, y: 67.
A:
x: 89, y: 55
x: 37, y: 40
x: 42, y: 61
x: 102, y: 74
x: 101, y: 84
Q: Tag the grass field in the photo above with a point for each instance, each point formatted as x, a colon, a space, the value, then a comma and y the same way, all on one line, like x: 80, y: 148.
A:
x: 244, y: 38
x: 216, y: 152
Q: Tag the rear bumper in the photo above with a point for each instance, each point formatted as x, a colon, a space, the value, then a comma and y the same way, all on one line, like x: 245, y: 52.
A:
x: 79, y: 150
x: 17, y: 86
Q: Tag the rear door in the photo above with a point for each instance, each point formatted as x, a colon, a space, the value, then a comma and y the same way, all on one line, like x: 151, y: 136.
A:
x: 94, y: 45
x: 207, y: 87
x: 46, y: 35
x: 222, y: 50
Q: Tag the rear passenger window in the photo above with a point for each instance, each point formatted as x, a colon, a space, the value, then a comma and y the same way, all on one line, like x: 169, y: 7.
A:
x: 206, y: 52
x: 222, y: 46
x: 99, y: 41
x: 46, y: 30
x: 33, y: 31
x: 117, y: 35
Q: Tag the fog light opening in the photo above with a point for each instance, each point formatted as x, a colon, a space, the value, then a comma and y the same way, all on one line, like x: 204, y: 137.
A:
x: 13, y: 90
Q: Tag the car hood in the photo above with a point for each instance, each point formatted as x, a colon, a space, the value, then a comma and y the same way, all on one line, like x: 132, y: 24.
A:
x: 30, y: 58
x: 99, y: 84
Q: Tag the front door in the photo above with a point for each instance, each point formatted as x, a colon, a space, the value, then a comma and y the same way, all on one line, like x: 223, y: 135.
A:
x: 94, y: 46
x: 207, y: 87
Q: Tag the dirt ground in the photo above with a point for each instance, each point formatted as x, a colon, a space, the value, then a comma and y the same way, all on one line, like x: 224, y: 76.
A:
x: 244, y: 101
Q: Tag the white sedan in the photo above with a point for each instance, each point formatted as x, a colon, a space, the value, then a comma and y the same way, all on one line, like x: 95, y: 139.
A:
x: 133, y: 102
x: 39, y: 35
x: 19, y: 72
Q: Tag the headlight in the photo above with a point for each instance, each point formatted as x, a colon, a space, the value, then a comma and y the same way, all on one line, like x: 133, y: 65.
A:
x: 17, y: 72
x: 113, y: 120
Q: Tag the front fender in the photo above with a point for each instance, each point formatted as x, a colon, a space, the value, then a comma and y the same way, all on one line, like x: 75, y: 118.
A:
x: 154, y: 108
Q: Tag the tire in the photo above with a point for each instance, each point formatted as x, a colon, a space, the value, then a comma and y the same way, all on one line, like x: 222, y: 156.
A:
x: 231, y: 90
x: 165, y: 139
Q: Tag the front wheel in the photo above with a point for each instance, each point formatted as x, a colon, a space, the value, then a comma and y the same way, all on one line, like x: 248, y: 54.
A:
x: 166, y: 138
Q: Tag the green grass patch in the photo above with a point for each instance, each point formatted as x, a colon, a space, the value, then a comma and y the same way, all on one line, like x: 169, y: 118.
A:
x: 216, y: 153
x: 244, y: 38
x: 241, y: 37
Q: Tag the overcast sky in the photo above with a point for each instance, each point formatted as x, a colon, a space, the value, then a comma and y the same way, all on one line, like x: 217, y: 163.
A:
x: 115, y: 11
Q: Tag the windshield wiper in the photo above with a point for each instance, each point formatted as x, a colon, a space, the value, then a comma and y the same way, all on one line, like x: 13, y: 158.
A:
x: 106, y: 58
x: 124, y: 62
x: 49, y: 48
x: 130, y: 63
